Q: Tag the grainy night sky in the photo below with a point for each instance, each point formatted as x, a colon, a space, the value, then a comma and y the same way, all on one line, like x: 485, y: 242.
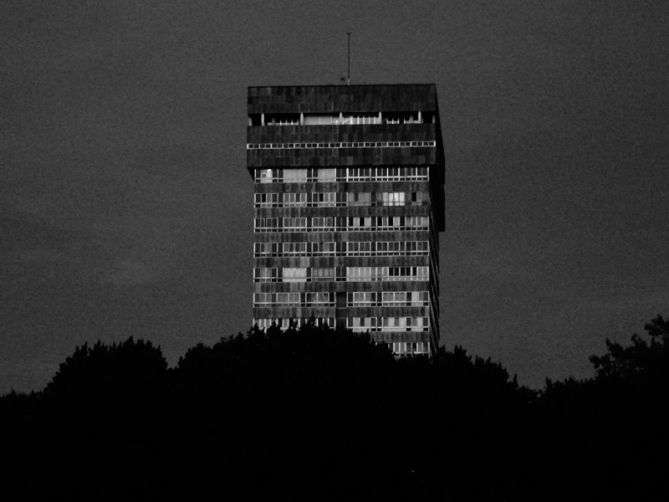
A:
x: 126, y: 205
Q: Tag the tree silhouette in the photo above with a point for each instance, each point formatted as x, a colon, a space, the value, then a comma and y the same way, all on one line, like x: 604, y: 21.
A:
x: 641, y: 358
x: 607, y: 436
x: 98, y: 374
x: 322, y: 414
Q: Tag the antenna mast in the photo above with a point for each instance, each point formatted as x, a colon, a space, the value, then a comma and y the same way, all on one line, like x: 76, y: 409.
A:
x: 348, y: 75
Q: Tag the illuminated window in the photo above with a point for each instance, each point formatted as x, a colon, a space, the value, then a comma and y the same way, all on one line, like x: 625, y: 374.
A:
x: 268, y: 175
x: 326, y: 175
x: 295, y: 175
x: 392, y: 198
x: 298, y: 274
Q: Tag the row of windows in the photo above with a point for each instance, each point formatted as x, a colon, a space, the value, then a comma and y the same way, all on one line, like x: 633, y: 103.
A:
x: 348, y: 274
x: 342, y: 144
x: 410, y: 348
x: 293, y: 119
x: 264, y: 323
x: 320, y: 299
x: 294, y: 274
x: 398, y: 348
x: 331, y: 174
x: 368, y: 274
x: 350, y: 248
x: 387, y: 298
x: 353, y: 299
x: 356, y: 324
x: 340, y: 199
x: 402, y: 323
x: 340, y: 223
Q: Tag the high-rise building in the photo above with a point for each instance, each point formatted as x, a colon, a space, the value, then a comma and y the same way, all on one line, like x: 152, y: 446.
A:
x: 349, y: 200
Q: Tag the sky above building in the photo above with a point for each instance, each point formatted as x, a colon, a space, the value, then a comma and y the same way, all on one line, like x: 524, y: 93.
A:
x: 127, y: 207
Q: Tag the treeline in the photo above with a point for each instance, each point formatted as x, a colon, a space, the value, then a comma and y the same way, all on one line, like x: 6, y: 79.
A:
x: 327, y: 415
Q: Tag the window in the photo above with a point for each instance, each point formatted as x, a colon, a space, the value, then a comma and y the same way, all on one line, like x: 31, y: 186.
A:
x: 268, y: 175
x: 327, y: 175
x: 389, y: 173
x: 324, y: 199
x: 359, y: 274
x: 366, y: 274
x: 359, y: 174
x: 395, y: 298
x: 361, y: 324
x: 417, y: 222
x: 361, y: 299
x: 295, y: 248
x: 323, y: 248
x: 282, y: 119
x: 329, y: 199
x: 417, y: 248
x: 322, y: 274
x: 419, y: 298
x: 323, y: 298
x: 404, y: 324
x: 288, y: 298
x: 322, y: 223
x: 392, y: 198
x: 359, y: 199
x: 265, y: 249
x: 266, y: 225
x: 294, y: 274
x: 389, y: 222
x: 419, y: 324
x: 359, y: 248
x: 323, y: 321
x: 419, y: 198
x: 265, y: 274
x: 264, y: 323
x: 367, y: 118
x: 297, y: 223
x: 263, y: 299
x: 295, y: 175
x: 266, y: 200
x: 313, y: 119
x: 393, y: 323
x: 294, y: 199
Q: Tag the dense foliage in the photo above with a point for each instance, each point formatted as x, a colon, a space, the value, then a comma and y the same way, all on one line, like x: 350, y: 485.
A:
x: 323, y: 414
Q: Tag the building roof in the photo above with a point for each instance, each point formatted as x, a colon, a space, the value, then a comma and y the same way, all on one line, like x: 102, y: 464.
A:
x: 342, y: 98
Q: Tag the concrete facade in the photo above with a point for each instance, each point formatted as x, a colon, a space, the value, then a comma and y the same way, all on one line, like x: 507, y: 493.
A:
x: 349, y: 200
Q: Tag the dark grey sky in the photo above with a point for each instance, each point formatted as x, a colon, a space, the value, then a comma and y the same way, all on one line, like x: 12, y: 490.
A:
x: 126, y: 206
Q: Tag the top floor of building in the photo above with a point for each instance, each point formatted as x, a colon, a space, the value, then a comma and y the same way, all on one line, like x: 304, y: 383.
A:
x: 331, y: 104
x: 366, y: 118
